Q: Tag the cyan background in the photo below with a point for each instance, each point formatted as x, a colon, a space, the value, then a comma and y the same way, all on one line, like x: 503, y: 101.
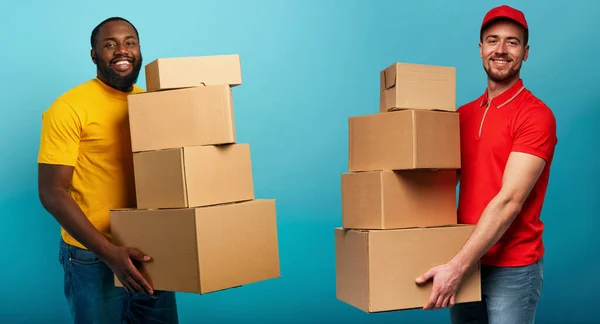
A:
x: 307, y: 65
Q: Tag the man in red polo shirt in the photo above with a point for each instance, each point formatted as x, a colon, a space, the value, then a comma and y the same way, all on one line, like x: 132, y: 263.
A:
x: 508, y: 138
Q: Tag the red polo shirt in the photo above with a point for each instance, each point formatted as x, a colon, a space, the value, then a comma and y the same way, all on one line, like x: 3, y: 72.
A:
x: 515, y: 121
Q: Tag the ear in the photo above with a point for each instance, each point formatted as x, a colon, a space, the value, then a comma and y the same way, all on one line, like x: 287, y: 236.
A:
x: 480, y: 50
x: 93, y: 55
x: 526, y: 53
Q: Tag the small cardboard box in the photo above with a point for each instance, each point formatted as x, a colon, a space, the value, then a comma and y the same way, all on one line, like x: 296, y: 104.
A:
x: 202, y: 250
x: 191, y: 71
x: 193, y: 176
x: 417, y: 86
x: 404, y: 140
x: 376, y: 269
x: 178, y: 118
x: 398, y: 199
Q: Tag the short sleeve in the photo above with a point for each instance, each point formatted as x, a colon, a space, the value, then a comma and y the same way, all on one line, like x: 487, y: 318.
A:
x: 535, y: 132
x: 60, y: 135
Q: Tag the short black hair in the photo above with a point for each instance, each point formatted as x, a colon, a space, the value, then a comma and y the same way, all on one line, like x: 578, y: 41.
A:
x: 525, y: 31
x: 97, y: 28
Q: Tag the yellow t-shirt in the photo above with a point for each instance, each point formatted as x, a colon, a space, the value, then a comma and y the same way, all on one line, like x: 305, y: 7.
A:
x: 88, y: 128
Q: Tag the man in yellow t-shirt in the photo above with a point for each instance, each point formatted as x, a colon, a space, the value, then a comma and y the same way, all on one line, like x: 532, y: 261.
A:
x: 85, y: 170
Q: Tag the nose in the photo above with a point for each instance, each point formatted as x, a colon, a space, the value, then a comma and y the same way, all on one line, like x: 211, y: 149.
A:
x: 501, y: 48
x: 121, y: 49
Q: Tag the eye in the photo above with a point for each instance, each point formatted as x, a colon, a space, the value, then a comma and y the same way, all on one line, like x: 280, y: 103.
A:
x: 108, y: 45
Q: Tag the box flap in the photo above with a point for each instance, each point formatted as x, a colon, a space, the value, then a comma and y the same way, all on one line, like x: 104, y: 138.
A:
x: 388, y: 77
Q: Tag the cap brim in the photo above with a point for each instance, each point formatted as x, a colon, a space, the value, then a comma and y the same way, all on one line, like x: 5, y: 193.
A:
x: 487, y: 23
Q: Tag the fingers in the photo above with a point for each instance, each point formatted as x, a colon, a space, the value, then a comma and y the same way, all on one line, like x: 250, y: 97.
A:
x: 141, y: 284
x: 432, y: 299
x: 126, y: 287
x: 452, y: 301
x: 445, y: 302
x: 138, y: 255
x: 133, y: 286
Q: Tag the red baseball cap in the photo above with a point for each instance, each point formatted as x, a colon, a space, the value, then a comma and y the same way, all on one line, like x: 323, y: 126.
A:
x: 507, y: 12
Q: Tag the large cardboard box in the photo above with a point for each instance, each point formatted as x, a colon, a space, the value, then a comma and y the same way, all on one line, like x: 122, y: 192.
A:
x: 376, y: 269
x: 186, y: 117
x: 404, y: 140
x: 417, y: 86
x: 193, y: 176
x: 202, y: 250
x: 398, y: 199
x: 191, y: 71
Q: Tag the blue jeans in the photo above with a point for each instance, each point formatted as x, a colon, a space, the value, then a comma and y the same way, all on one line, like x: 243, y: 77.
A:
x: 93, y: 298
x: 509, y: 295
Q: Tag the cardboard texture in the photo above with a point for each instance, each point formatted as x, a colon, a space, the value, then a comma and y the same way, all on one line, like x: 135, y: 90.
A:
x: 376, y: 269
x: 404, y: 140
x: 193, y: 176
x: 183, y: 72
x: 399, y: 216
x: 196, y: 213
x: 202, y: 250
x: 178, y: 118
x: 398, y: 199
x: 417, y: 86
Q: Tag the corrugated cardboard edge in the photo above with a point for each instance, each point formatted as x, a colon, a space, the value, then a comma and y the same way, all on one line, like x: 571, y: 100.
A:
x: 382, y: 174
x: 198, y: 256
x: 184, y: 175
x: 231, y: 113
x: 415, y: 147
x: 367, y: 235
x: 152, y: 73
x: 434, y: 109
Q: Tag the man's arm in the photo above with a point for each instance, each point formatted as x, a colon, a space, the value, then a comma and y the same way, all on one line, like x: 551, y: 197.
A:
x: 520, y: 175
x: 53, y: 188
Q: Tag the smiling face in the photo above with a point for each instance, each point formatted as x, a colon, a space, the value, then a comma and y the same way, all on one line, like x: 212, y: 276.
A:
x: 503, y: 50
x: 117, y: 55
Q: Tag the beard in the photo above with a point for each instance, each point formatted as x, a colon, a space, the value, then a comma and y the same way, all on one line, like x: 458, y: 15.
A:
x: 119, y: 82
x: 502, y: 75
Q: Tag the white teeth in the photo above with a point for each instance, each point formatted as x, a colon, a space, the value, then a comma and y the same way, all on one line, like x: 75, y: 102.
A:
x: 122, y: 63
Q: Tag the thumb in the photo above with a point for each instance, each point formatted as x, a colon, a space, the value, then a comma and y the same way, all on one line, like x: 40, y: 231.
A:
x: 138, y: 255
x: 426, y: 276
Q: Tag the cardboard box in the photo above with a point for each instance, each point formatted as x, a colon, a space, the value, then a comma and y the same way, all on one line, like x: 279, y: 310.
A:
x: 376, y: 269
x: 193, y: 176
x: 191, y: 71
x: 417, y: 86
x: 398, y: 199
x: 404, y: 140
x: 202, y: 250
x: 178, y: 118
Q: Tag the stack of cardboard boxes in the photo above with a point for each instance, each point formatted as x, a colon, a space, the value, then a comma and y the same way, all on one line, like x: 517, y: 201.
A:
x: 196, y: 215
x: 399, y: 215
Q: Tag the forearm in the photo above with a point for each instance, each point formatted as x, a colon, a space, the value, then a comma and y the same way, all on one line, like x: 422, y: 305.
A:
x: 495, y: 220
x: 68, y: 214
